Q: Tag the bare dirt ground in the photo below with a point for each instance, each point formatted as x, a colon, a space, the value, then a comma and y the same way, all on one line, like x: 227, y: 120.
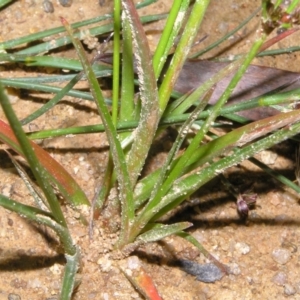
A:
x: 262, y: 252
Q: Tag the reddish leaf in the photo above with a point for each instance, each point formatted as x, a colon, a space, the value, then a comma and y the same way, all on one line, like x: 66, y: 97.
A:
x: 145, y: 282
x: 137, y: 275
x: 64, y: 181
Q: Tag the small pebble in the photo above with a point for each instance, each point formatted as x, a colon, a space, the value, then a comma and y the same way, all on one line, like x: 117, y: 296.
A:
x: 105, y: 263
x: 203, y: 272
x: 289, y: 290
x: 13, y: 297
x: 268, y: 157
x: 235, y: 269
x: 105, y: 296
x: 281, y: 256
x: 242, y: 248
x: 279, y: 278
x: 18, y: 283
x: 133, y: 262
x: 65, y: 3
x: 56, y: 269
x: 275, y: 199
x: 34, y: 283
x: 297, y: 287
x: 282, y: 218
x: 48, y: 6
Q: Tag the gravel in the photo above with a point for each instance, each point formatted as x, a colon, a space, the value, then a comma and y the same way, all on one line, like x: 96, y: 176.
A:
x: 204, y: 272
x: 289, y: 290
x: 279, y: 278
x: 281, y: 256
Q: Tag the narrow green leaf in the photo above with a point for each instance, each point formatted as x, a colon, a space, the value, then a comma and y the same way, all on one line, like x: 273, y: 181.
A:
x: 69, y: 278
x: 182, y: 50
x: 37, y: 196
x: 46, y: 88
x: 226, y: 36
x: 53, y: 62
x: 27, y: 211
x: 116, y: 61
x: 127, y: 105
x: 41, y: 217
x: 4, y: 2
x: 156, y: 232
x: 149, y: 116
x: 281, y: 178
x: 173, y: 24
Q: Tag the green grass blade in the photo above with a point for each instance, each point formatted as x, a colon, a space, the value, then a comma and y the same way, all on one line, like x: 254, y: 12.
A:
x: 69, y: 278
x: 149, y: 116
x: 215, y: 110
x: 178, y: 60
x: 55, y: 78
x: 156, y: 232
x: 46, y: 88
x: 226, y: 36
x: 184, y: 103
x: 53, y: 62
x: 116, y: 60
x: 292, y: 6
x: 27, y: 211
x: 53, y: 101
x: 127, y: 105
x: 35, y: 193
x: 182, y: 51
x: 63, y: 41
x: 173, y: 24
x: 5, y: 2
x: 109, y: 178
x: 41, y: 217
x: 275, y: 174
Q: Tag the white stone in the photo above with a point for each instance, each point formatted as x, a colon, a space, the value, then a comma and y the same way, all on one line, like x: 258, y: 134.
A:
x: 281, y: 256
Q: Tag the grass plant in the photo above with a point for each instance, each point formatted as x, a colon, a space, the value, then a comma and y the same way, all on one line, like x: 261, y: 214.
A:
x: 133, y: 123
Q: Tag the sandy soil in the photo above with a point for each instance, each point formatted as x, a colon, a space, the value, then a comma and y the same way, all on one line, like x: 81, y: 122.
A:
x: 262, y: 252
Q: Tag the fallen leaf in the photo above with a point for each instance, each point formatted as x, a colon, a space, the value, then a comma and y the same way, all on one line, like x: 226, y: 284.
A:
x: 256, y: 81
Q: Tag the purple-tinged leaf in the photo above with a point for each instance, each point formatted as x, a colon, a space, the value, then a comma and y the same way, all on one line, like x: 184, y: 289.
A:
x: 64, y: 181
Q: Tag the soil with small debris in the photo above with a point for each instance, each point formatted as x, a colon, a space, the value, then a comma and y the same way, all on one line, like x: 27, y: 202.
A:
x: 262, y: 252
